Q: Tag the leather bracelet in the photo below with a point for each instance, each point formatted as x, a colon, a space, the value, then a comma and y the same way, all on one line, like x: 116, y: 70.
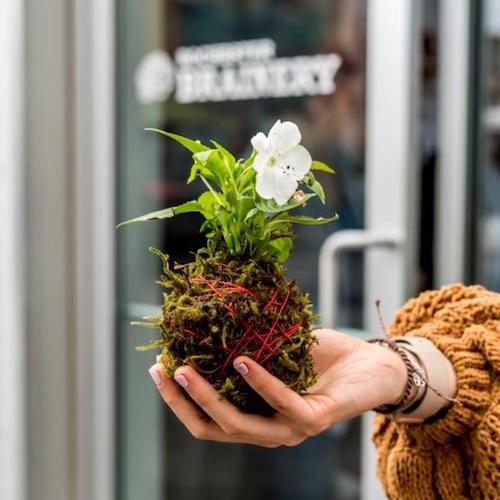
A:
x: 440, y: 380
x: 415, y: 383
x: 433, y: 381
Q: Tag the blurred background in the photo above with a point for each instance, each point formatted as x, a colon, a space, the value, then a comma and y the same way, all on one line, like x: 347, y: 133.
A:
x: 406, y: 108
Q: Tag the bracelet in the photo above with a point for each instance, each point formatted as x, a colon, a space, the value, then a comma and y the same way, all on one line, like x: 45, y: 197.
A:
x: 415, y: 384
x: 440, y: 380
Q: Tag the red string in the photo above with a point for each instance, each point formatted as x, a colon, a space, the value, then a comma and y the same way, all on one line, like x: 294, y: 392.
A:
x: 238, y: 349
x: 209, y: 284
x: 269, y: 346
x: 271, y: 300
x: 288, y: 334
x: 273, y: 326
x: 228, y: 286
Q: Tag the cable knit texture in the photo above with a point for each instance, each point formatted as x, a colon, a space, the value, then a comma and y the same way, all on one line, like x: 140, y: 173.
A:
x: 456, y: 454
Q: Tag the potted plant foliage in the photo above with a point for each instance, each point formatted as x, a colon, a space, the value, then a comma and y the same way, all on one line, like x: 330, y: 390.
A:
x: 233, y: 297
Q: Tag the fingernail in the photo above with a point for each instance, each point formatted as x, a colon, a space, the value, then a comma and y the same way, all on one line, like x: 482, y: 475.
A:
x: 242, y: 368
x: 155, y: 375
x: 181, y: 380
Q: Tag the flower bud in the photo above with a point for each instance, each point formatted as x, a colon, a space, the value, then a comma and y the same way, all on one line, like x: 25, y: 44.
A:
x: 299, y: 195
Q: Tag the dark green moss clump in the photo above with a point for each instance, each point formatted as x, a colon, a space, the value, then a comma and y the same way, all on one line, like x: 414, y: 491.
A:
x: 215, y: 310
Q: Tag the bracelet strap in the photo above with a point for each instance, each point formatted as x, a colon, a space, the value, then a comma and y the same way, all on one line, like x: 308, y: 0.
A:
x: 431, y: 382
x: 441, y: 381
x: 415, y: 382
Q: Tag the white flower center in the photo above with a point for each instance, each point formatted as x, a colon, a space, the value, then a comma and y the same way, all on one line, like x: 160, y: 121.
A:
x: 272, y: 161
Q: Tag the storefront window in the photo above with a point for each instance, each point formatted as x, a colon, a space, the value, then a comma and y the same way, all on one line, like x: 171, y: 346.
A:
x: 157, y: 457
x: 487, y: 162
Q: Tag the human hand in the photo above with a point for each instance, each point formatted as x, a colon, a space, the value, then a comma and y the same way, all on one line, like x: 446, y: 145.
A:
x: 353, y: 377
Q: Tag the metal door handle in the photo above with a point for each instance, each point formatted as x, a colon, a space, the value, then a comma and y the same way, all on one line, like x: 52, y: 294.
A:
x: 333, y: 246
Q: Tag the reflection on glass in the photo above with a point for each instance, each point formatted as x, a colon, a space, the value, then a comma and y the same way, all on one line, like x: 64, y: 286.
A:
x: 488, y: 164
x: 156, y: 453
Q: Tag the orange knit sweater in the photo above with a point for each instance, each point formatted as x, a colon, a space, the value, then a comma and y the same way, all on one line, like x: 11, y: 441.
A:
x: 456, y: 454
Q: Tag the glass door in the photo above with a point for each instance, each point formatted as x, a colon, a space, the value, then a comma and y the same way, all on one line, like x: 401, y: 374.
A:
x: 468, y: 243
x: 485, y: 165
x: 192, y: 68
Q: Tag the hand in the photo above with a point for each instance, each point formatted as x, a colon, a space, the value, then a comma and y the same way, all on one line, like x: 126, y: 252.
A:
x: 353, y: 377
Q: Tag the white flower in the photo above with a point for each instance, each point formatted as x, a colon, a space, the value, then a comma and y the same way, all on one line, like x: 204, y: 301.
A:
x: 280, y: 161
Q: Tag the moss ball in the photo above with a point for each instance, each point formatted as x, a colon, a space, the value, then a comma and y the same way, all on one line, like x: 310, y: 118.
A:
x: 215, y: 310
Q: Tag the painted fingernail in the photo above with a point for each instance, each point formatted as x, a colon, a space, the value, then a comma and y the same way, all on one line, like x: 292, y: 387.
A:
x: 181, y: 380
x: 155, y: 375
x: 242, y: 368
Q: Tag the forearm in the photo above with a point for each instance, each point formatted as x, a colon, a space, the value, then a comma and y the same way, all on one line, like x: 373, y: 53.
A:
x: 417, y: 461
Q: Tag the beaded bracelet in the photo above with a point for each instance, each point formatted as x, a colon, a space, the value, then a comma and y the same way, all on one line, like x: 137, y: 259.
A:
x: 416, y: 378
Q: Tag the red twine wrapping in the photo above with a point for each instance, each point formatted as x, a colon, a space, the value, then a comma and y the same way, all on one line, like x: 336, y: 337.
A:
x: 270, y: 341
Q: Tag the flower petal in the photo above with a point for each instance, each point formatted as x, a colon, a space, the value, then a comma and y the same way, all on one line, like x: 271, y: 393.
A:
x: 284, y: 136
x: 265, y: 185
x: 260, y: 143
x: 272, y: 136
x: 297, y: 162
x: 285, y: 187
x: 260, y: 161
x: 274, y: 129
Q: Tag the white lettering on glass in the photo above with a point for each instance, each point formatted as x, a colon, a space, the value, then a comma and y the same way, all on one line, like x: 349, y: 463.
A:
x: 233, y: 71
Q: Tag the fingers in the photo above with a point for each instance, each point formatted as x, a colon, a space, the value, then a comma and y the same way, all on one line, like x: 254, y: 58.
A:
x: 227, y: 416
x: 183, y: 408
x: 221, y: 411
x: 274, y: 391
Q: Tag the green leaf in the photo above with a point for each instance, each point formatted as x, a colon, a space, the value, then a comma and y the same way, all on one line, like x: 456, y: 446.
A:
x: 250, y: 159
x: 225, y: 153
x: 212, y: 166
x: 282, y: 247
x: 251, y: 213
x: 304, y: 219
x: 195, y: 169
x: 311, y: 182
x: 166, y: 213
x: 203, y: 156
x: 319, y: 165
x: 209, y: 202
x: 193, y: 146
x: 270, y: 206
x: 204, y: 165
x: 246, y: 178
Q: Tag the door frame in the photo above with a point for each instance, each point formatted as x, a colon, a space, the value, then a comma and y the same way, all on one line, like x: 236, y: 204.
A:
x: 454, y: 142
x: 393, y: 76
x: 94, y: 109
x: 12, y: 289
x: 69, y: 144
x: 393, y: 95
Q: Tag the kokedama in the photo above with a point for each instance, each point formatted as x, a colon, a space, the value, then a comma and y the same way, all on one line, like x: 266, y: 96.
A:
x: 234, y: 297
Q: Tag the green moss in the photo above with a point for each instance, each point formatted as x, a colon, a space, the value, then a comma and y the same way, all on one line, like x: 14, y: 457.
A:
x: 218, y: 307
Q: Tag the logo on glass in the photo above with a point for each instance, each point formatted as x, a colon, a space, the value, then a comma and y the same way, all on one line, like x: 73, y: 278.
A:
x: 232, y: 71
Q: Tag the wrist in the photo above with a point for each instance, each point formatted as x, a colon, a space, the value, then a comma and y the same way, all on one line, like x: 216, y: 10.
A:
x: 440, y: 383
x: 414, y: 387
x: 393, y: 372
x: 430, y: 380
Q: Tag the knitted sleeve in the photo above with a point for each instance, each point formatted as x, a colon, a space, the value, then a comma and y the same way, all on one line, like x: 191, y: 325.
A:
x: 456, y: 454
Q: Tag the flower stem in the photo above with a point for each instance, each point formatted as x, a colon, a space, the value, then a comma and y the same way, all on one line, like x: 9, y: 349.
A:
x: 211, y: 189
